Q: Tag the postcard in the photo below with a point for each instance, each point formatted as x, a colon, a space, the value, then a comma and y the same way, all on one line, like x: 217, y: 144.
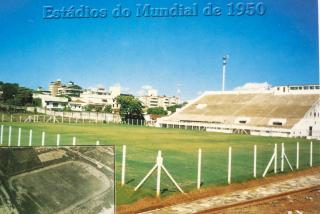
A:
x: 110, y: 106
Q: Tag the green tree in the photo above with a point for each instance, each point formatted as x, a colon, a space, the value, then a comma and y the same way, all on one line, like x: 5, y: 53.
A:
x: 23, y: 97
x: 157, y: 111
x: 174, y: 107
x: 108, y: 109
x: 9, y: 92
x: 13, y: 94
x: 130, y: 107
x: 98, y: 108
x: 67, y: 109
x: 89, y: 107
x: 37, y: 102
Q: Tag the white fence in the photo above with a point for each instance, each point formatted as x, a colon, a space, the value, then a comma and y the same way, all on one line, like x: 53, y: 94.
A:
x: 274, y: 160
x: 73, y: 117
x: 58, y: 118
x: 98, y: 116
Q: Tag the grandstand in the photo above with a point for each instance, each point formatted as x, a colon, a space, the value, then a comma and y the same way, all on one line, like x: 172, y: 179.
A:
x: 266, y: 113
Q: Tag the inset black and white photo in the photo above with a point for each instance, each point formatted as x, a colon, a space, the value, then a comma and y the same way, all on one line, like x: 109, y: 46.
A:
x: 77, y: 179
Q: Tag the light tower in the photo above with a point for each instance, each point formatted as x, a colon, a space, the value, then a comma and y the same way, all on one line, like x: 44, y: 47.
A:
x: 224, y: 65
x: 179, y: 90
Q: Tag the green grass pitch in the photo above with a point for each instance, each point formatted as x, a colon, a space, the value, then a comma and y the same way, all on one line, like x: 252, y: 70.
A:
x: 47, y: 185
x: 179, y: 149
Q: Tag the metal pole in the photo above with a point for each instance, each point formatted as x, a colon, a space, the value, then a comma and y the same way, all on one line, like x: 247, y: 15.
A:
x: 74, y: 141
x: 311, y: 151
x: 199, y: 168
x: 43, y: 138
x: 171, y: 178
x: 255, y: 161
x: 19, y: 136
x: 223, y: 76
x: 159, y: 164
x: 1, y: 137
x: 30, y: 137
x: 282, y: 157
x: 229, y: 165
x: 146, y: 177
x: 123, y: 165
x: 269, y: 165
x: 275, y: 158
x: 58, y: 139
x: 297, y: 160
x: 9, y: 138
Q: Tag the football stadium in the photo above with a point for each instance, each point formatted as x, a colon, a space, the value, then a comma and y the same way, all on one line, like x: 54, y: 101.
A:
x: 253, y: 123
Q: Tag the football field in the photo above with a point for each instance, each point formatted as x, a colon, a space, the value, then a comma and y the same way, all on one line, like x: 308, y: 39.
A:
x: 179, y: 149
x: 59, y: 187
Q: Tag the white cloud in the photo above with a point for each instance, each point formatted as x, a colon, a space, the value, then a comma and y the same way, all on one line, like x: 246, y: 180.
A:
x: 126, y: 90
x: 251, y: 86
x: 141, y: 93
x: 144, y: 90
x: 100, y: 85
x: 116, y: 85
x: 146, y: 87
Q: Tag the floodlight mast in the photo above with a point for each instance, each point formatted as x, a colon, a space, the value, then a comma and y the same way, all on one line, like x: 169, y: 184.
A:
x: 224, y: 65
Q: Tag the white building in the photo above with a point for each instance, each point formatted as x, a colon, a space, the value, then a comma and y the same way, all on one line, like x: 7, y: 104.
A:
x: 115, y: 91
x: 70, y: 89
x: 76, y: 105
x: 95, y: 96
x: 51, y: 102
x: 158, y: 101
x: 297, y: 88
x: 152, y: 100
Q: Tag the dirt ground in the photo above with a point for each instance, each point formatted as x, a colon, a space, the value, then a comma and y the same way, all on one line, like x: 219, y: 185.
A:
x: 304, y: 202
x: 153, y: 203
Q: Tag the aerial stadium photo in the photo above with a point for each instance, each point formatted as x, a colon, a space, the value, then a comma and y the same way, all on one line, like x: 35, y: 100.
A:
x: 85, y: 177
x: 159, y: 106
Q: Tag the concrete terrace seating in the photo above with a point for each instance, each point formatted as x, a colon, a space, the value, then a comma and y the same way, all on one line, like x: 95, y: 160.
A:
x: 259, y: 108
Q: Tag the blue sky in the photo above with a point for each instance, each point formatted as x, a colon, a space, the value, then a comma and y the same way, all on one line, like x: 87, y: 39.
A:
x: 280, y: 47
